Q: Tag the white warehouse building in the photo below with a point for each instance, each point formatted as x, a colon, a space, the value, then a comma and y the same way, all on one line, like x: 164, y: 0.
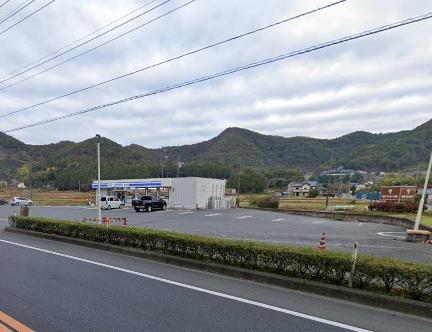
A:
x: 184, y: 192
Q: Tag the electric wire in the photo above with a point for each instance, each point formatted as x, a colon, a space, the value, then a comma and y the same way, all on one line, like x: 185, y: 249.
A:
x: 266, y: 27
x: 4, y: 3
x: 77, y: 40
x: 97, y: 46
x: 16, y: 11
x: 85, y: 42
x: 26, y: 17
x: 234, y: 70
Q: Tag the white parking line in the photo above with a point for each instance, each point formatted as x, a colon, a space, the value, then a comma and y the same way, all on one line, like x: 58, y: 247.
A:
x: 398, y: 235
x: 187, y: 212
x: 198, y: 289
x: 244, y: 217
x: 212, y: 215
x: 279, y: 219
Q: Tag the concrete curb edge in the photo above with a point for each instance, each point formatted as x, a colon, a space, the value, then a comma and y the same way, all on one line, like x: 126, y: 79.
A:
x: 383, y: 301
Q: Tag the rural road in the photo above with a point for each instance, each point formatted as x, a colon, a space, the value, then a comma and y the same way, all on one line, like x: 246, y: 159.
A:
x: 52, y: 286
x: 272, y: 227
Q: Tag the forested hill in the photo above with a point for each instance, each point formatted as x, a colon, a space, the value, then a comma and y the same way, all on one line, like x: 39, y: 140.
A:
x: 67, y: 162
x: 359, y: 150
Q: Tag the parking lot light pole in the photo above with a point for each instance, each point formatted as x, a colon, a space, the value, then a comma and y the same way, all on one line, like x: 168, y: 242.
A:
x: 98, y: 196
x: 423, y: 196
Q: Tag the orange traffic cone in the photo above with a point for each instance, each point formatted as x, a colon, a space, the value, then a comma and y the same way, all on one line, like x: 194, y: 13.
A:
x: 322, y: 245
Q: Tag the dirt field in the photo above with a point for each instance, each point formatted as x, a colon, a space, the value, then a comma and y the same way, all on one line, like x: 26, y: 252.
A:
x: 49, y: 198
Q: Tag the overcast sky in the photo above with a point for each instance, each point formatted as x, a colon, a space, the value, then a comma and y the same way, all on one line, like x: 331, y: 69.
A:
x: 380, y: 83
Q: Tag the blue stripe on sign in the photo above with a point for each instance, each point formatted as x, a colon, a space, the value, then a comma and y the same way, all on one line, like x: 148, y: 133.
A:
x: 106, y: 185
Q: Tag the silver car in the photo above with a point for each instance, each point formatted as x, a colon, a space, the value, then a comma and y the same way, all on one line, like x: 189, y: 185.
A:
x: 17, y: 201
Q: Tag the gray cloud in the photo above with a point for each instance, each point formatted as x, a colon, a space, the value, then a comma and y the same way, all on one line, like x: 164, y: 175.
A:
x: 380, y: 83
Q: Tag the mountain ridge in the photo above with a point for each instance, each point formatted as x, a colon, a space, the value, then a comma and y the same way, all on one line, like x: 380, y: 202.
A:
x: 360, y: 150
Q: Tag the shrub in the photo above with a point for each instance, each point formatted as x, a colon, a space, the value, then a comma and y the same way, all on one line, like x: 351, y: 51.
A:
x: 384, y: 275
x: 269, y: 202
x: 313, y: 193
x: 393, y: 207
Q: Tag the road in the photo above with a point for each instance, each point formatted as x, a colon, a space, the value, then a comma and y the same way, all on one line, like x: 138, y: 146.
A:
x: 273, y: 227
x: 52, y: 286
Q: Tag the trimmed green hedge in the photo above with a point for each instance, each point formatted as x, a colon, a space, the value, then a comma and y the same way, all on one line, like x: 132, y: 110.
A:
x: 268, y: 202
x: 386, y: 275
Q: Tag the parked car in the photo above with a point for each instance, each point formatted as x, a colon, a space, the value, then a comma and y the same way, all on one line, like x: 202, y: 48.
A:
x: 3, y: 201
x: 148, y: 203
x: 17, y: 201
x: 110, y: 202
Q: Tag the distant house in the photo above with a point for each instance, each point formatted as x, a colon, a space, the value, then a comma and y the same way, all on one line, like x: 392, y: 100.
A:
x: 21, y: 185
x: 3, y: 184
x: 301, y: 189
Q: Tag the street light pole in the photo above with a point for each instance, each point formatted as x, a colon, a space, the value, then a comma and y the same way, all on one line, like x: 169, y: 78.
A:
x: 422, y: 200
x: 98, y: 196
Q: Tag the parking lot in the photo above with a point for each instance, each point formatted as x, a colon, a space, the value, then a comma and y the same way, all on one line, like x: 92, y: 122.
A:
x: 272, y: 227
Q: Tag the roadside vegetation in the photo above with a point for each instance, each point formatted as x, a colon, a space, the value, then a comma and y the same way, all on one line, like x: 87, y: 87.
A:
x: 381, y: 275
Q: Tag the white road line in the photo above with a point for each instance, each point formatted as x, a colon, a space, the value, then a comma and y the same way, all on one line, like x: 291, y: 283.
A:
x: 183, y: 213
x: 212, y: 215
x: 244, y: 217
x: 399, y: 235
x: 279, y: 219
x: 198, y: 289
x: 317, y: 222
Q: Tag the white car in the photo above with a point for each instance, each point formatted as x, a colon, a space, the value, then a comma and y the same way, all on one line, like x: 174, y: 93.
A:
x: 17, y: 201
x: 110, y: 202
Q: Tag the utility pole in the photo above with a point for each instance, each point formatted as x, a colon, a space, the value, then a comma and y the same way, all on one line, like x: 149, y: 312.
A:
x: 178, y: 165
x: 238, y: 186
x: 98, y: 196
x: 422, y: 200
x: 31, y: 181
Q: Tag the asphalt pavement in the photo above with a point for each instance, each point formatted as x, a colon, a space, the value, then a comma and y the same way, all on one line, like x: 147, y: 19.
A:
x: 54, y: 286
x: 248, y: 224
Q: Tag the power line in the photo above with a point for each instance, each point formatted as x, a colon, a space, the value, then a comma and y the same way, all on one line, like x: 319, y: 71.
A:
x: 16, y: 11
x: 79, y: 39
x: 97, y: 46
x: 4, y: 3
x: 85, y: 42
x: 26, y: 17
x: 178, y: 57
x: 235, y: 69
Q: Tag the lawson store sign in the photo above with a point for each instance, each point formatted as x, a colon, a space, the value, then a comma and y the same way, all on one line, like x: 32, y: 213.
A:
x: 127, y: 185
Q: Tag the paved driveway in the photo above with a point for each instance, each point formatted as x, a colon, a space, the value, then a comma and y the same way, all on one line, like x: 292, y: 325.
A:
x: 273, y: 227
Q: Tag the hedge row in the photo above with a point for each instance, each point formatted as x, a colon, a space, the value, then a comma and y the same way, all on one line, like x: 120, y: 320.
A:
x: 408, y: 207
x: 384, y: 275
x: 268, y: 202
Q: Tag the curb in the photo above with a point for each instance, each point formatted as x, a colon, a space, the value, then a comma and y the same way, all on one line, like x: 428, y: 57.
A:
x: 394, y: 303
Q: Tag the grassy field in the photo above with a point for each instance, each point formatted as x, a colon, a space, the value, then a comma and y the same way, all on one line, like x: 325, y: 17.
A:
x: 319, y: 204
x: 49, y: 198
